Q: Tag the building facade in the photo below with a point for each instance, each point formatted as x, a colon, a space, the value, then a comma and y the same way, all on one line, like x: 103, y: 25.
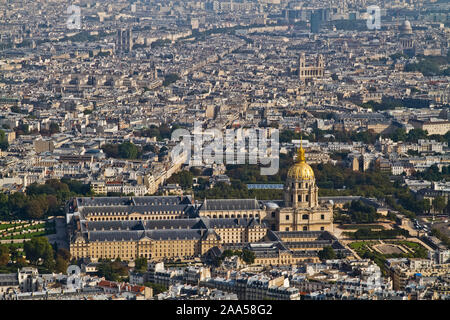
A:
x: 174, y: 227
x: 311, y: 72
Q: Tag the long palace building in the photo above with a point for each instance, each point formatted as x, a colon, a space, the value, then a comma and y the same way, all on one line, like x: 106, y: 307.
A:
x: 158, y: 227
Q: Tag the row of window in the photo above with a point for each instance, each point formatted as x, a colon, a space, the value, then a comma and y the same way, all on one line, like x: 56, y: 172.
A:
x: 135, y: 218
x: 215, y: 216
x: 305, y: 228
x: 300, y: 198
x: 306, y: 217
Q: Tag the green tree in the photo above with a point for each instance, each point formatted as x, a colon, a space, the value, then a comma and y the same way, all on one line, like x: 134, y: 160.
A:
x: 426, y: 205
x: 327, y: 253
x: 141, y: 264
x: 248, y: 256
x: 439, y: 204
x: 3, y: 141
x: 183, y: 178
x: 157, y: 288
x: 54, y: 128
x: 128, y: 150
x: 170, y: 78
x: 112, y: 271
x: 61, y: 265
x: 34, y: 209
x: 21, y: 262
x: 4, y: 255
x: 39, y: 248
x: 64, y: 254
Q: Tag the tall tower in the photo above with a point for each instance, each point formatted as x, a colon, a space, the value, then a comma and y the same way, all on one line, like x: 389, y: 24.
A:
x: 320, y: 65
x: 124, y: 40
x: 316, y: 21
x: 301, y: 65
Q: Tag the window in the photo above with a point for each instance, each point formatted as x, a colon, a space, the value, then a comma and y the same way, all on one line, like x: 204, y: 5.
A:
x: 305, y: 217
x: 273, y: 214
x: 305, y: 228
x: 287, y: 217
x: 322, y: 216
x: 287, y: 228
x: 322, y: 228
x: 307, y: 198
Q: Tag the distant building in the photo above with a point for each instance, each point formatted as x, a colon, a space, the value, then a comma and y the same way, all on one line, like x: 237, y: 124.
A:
x: 316, y: 21
x: 433, y: 127
x: 311, y: 72
x: 124, y: 40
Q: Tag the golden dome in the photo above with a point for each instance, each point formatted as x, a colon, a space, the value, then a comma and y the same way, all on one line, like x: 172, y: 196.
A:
x: 301, y: 170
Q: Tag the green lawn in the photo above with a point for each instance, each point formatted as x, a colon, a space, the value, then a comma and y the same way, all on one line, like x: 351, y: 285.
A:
x: 362, y: 249
x: 357, y: 226
x: 359, y: 245
x: 11, y: 225
x: 49, y: 229
x: 24, y: 236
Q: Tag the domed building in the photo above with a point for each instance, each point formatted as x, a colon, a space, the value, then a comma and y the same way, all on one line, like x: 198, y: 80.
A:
x: 405, y: 28
x: 301, y: 210
x: 406, y: 38
x: 300, y: 189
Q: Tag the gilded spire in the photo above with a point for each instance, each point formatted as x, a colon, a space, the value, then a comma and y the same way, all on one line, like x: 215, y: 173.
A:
x: 301, y: 151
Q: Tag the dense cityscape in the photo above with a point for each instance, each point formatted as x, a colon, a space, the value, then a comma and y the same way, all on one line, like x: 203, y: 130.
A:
x: 225, y: 150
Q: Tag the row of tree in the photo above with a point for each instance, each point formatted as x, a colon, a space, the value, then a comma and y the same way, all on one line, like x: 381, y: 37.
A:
x: 358, y: 212
x: 38, y: 253
x: 367, y: 137
x: 112, y: 270
x: 388, y: 103
x: 236, y: 190
x: 125, y: 150
x: 366, y: 233
x: 441, y: 236
x: 430, y: 66
x: 433, y: 174
x: 41, y: 200
x: 246, y: 255
x: 164, y: 131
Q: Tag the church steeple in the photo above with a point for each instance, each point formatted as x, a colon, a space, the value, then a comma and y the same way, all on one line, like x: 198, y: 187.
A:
x: 301, y: 151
